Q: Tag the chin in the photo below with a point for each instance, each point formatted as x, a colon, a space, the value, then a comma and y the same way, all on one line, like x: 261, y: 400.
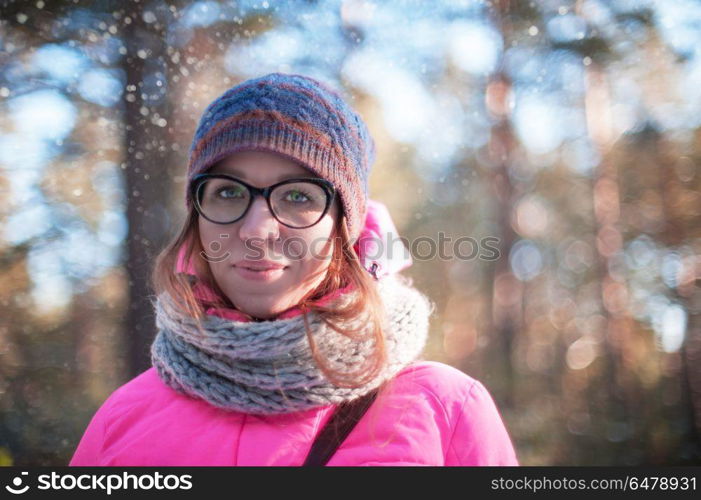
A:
x: 260, y: 312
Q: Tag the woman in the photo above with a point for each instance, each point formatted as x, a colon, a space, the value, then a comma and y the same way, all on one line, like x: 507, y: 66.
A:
x: 272, y: 314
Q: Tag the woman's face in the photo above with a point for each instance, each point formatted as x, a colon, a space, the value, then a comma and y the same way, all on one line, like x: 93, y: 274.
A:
x: 258, y: 236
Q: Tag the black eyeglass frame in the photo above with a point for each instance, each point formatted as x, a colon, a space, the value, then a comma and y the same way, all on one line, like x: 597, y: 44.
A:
x: 199, y: 179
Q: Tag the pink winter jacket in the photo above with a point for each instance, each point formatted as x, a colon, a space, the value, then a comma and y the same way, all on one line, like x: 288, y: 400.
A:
x: 430, y: 414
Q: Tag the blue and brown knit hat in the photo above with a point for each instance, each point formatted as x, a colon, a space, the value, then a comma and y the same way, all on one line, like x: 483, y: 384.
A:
x: 295, y: 116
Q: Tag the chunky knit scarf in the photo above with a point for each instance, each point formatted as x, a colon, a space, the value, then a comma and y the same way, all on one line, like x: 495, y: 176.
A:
x: 267, y: 367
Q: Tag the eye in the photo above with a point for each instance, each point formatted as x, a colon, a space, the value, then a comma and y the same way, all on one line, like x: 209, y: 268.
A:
x: 298, y: 196
x: 229, y: 192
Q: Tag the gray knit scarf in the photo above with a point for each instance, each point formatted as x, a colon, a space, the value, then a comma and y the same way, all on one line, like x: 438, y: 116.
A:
x: 267, y: 367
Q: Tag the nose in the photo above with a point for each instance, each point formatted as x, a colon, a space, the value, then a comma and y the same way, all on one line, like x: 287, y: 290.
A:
x: 259, y: 223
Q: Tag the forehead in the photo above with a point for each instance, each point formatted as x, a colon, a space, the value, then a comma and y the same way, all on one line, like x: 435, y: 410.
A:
x: 260, y: 167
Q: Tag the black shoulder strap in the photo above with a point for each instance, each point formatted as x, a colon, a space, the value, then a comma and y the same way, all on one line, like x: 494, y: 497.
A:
x: 341, y: 423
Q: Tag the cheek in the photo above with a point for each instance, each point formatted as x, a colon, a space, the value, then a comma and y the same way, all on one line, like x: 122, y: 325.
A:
x: 215, y: 242
x: 318, y: 248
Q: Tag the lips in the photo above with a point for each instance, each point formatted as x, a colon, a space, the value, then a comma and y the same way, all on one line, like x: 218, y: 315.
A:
x: 259, y: 272
x: 259, y: 265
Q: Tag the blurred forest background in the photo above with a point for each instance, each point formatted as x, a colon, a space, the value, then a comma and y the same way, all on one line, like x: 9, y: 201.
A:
x: 569, y: 130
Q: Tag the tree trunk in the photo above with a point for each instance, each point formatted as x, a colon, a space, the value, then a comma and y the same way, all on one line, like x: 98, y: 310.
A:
x: 146, y: 164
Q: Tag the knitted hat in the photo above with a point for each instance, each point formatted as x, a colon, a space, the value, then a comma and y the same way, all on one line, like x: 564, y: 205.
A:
x: 295, y: 116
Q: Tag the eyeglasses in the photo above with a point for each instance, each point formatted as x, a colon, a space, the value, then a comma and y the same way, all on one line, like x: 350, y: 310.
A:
x: 296, y: 203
